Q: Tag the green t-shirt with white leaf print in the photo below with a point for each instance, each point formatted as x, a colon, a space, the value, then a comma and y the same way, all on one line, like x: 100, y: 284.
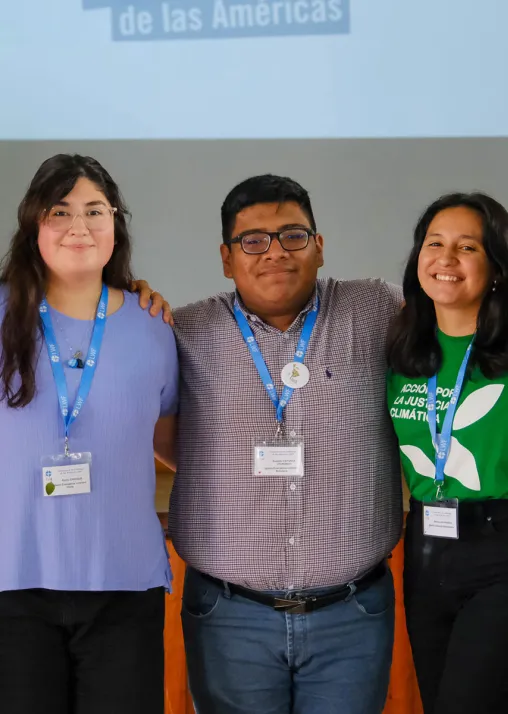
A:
x: 477, y: 465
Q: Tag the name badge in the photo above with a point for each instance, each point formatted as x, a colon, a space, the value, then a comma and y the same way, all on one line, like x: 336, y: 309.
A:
x: 282, y: 457
x: 66, y: 475
x: 441, y: 519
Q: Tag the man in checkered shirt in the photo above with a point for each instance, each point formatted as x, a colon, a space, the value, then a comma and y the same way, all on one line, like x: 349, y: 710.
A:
x: 288, y: 605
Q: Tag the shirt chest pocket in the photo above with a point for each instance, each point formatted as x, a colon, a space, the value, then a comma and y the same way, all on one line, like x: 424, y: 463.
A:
x: 349, y: 398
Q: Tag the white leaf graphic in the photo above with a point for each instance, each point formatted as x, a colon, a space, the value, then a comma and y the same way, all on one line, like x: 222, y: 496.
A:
x: 461, y: 465
x: 477, y: 405
x: 421, y: 463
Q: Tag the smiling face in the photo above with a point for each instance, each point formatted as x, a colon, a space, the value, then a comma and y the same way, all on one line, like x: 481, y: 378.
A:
x: 277, y: 282
x: 83, y: 249
x: 453, y: 267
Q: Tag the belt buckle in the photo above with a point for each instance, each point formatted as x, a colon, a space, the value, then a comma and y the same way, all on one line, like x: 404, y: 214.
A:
x: 294, y: 607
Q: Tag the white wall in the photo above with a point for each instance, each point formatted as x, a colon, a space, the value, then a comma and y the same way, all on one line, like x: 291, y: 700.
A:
x: 367, y: 195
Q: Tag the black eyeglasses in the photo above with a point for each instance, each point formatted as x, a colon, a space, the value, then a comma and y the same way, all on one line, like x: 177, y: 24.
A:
x: 256, y: 242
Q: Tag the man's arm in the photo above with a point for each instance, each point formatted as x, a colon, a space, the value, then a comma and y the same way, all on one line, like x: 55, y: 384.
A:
x: 147, y: 296
x: 164, y: 441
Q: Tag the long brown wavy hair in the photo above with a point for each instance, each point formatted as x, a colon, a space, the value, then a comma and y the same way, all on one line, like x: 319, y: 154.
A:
x: 24, y: 274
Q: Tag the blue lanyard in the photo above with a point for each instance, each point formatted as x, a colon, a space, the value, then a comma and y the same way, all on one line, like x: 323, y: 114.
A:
x: 69, y: 416
x: 260, y: 363
x: 442, y: 441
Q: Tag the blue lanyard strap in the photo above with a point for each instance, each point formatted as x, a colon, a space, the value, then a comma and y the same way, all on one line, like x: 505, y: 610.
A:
x: 442, y: 441
x: 69, y: 416
x: 260, y: 363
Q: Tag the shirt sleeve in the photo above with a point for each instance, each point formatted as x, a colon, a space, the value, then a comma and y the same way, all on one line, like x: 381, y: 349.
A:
x: 394, y: 298
x: 4, y: 295
x: 169, y: 393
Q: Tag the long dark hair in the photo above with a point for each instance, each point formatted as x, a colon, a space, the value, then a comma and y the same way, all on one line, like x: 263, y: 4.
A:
x: 413, y: 348
x: 23, y: 270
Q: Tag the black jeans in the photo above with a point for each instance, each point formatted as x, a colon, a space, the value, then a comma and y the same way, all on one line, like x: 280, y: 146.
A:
x: 81, y: 652
x: 456, y: 599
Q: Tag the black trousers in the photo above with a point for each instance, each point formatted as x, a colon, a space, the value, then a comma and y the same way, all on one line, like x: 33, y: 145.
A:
x: 456, y: 599
x: 81, y: 652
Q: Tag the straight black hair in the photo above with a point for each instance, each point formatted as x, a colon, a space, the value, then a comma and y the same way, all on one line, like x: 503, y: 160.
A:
x: 413, y: 348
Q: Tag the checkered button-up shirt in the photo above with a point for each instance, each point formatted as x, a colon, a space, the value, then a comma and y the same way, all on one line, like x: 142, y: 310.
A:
x: 263, y: 532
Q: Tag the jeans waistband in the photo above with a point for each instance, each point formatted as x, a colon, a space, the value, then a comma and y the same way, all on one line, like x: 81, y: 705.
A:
x: 302, y: 602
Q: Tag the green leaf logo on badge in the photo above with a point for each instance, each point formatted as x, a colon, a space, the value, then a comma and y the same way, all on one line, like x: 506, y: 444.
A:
x: 50, y: 488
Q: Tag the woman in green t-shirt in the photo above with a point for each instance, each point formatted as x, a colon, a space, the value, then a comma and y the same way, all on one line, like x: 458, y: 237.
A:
x: 448, y: 398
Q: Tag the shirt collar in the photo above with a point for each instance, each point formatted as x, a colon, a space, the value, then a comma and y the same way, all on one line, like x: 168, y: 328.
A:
x: 252, y: 317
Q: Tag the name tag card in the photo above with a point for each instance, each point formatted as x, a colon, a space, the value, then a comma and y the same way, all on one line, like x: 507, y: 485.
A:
x: 281, y: 457
x: 66, y: 475
x: 441, y: 519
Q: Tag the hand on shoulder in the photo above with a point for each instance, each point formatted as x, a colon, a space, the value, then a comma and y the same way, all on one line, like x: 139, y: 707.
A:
x: 148, y: 296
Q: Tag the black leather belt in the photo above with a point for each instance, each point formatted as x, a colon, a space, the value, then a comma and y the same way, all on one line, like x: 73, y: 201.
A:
x: 299, y: 603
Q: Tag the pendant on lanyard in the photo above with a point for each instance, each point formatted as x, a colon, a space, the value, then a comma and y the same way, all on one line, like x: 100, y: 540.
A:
x: 280, y: 457
x: 67, y: 474
x: 295, y: 374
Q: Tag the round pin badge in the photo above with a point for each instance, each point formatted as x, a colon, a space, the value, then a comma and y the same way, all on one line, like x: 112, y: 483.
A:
x: 295, y: 375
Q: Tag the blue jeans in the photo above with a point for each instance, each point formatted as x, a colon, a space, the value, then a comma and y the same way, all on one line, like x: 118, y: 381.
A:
x: 246, y: 658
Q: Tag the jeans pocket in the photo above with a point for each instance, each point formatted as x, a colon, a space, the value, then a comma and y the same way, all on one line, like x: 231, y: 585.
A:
x: 201, y: 597
x: 378, y: 599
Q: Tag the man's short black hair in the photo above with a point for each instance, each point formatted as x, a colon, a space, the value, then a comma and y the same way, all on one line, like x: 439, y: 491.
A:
x: 263, y: 189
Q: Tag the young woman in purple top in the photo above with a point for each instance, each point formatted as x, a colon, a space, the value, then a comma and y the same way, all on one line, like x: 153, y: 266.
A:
x: 88, y: 387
